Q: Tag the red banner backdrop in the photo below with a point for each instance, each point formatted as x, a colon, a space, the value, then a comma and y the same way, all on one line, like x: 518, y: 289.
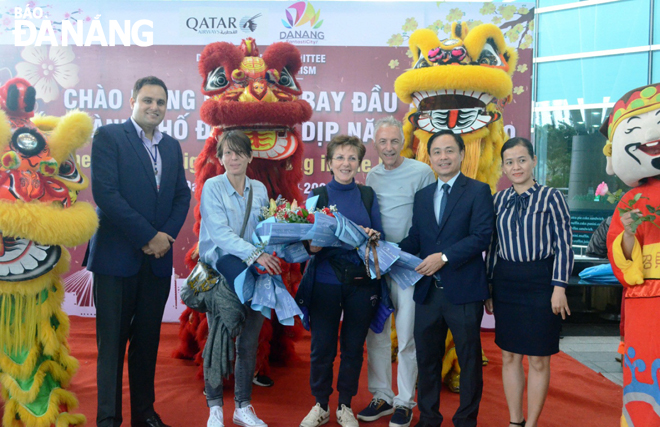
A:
x: 349, y: 88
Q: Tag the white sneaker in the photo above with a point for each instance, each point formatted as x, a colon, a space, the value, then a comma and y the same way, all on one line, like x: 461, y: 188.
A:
x: 346, y: 418
x: 246, y: 417
x: 316, y: 417
x: 215, y: 418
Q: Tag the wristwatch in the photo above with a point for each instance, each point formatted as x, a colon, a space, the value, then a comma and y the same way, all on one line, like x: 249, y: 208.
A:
x: 444, y: 258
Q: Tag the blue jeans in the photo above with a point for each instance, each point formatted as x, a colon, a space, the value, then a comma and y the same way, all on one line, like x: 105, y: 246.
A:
x: 246, y: 359
x: 359, y: 304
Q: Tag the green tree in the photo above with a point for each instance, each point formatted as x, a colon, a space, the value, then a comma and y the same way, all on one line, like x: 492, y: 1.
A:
x: 560, y: 146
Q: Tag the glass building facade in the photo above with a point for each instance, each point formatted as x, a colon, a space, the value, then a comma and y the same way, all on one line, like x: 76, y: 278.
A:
x: 587, y: 55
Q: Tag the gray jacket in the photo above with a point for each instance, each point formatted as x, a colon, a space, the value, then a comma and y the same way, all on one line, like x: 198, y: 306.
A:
x: 226, y: 316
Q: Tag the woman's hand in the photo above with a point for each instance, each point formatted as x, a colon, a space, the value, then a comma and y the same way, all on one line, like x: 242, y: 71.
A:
x: 270, y: 263
x: 370, y: 231
x: 559, y: 302
x: 627, y: 220
x: 489, y: 305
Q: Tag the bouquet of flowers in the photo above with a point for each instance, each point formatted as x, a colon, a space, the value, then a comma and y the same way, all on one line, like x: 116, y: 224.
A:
x: 285, y: 226
x: 292, y: 213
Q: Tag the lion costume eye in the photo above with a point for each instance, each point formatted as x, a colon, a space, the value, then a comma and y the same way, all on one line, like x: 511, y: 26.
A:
x: 216, y: 80
x: 68, y: 171
x: 489, y: 56
x: 28, y: 142
x: 421, y: 62
x: 286, y: 80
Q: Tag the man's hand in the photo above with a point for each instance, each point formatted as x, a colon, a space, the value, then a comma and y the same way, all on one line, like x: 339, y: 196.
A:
x: 559, y: 302
x: 270, y: 263
x: 489, y: 306
x: 159, y: 245
x: 431, y: 264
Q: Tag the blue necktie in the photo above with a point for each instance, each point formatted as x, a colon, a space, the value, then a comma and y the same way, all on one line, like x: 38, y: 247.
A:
x: 443, y: 201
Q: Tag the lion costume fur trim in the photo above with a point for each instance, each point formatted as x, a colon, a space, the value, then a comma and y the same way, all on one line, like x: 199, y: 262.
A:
x: 48, y: 224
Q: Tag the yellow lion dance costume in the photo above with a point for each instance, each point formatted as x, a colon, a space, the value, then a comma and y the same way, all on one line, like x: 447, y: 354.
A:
x: 39, y: 181
x: 460, y: 84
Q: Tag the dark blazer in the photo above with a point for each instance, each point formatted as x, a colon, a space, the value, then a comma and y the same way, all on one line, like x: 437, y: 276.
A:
x: 131, y: 210
x: 467, y: 225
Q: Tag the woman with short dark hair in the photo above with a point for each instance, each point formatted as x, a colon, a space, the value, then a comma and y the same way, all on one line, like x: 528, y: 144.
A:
x: 230, y: 208
x: 529, y: 262
x: 341, y: 284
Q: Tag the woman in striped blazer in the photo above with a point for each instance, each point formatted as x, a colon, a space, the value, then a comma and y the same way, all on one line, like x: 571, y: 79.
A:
x: 529, y: 262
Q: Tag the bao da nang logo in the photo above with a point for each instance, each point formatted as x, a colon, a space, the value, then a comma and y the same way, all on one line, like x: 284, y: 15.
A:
x: 302, y: 23
x: 30, y: 28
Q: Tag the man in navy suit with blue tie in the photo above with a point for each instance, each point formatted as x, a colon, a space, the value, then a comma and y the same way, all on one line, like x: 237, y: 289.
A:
x: 142, y: 199
x: 453, y: 220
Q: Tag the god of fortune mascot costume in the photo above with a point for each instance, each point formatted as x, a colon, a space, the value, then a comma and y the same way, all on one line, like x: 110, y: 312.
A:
x: 39, y: 181
x: 633, y: 150
x: 258, y: 95
x: 460, y: 84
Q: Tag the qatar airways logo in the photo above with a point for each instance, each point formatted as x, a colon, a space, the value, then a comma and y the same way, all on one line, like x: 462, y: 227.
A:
x: 31, y: 30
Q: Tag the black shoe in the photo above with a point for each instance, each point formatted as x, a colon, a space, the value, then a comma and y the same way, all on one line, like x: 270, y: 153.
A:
x: 262, y: 381
x: 402, y: 417
x: 376, y: 409
x: 522, y: 423
x: 152, y: 421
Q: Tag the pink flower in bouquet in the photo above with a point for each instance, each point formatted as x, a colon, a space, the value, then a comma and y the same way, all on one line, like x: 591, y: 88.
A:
x: 602, y: 189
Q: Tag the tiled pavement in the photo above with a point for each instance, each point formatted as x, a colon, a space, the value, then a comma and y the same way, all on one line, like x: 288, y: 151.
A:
x: 597, y: 353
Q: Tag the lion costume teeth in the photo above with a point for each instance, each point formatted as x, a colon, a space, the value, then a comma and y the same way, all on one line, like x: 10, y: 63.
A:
x: 39, y: 183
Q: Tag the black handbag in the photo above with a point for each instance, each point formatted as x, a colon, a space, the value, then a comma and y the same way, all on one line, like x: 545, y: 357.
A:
x: 348, y: 273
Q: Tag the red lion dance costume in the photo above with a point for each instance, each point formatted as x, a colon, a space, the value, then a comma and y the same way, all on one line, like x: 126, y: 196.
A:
x: 258, y: 95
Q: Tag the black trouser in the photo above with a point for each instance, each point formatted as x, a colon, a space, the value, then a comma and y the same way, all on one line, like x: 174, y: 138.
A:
x: 128, y: 309
x: 359, y: 304
x: 432, y: 319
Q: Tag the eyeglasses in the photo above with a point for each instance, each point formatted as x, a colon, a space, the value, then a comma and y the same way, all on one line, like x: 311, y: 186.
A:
x: 340, y: 159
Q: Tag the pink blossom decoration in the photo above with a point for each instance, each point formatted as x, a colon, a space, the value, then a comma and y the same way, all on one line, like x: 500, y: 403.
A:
x: 602, y: 189
x: 48, y: 69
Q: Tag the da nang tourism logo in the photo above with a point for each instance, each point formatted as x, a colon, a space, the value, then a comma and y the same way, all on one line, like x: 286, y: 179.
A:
x: 302, y: 24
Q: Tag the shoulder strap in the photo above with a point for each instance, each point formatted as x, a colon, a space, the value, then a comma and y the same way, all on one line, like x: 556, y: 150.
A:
x: 248, y: 208
x: 322, y: 192
x: 367, y: 194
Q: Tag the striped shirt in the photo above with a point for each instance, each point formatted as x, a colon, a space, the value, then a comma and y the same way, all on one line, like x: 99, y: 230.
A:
x: 530, y: 227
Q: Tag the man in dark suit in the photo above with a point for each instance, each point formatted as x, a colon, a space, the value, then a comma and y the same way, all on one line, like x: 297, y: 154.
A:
x: 453, y: 220
x: 142, y: 199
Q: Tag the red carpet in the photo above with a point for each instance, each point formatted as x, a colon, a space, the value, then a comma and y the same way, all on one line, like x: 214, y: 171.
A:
x: 578, y: 396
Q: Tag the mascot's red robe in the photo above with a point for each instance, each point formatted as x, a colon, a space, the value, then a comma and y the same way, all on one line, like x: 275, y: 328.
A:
x: 634, y: 156
x: 641, y: 279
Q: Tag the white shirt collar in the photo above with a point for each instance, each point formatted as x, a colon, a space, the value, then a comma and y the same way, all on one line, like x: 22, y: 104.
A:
x: 157, y: 134
x: 450, y: 182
